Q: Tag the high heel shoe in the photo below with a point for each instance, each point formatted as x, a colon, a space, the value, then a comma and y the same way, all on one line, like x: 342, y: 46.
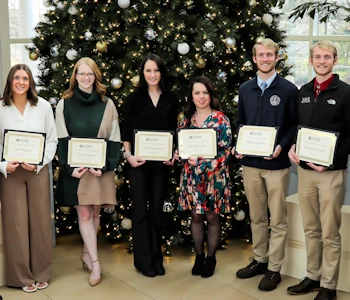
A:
x: 94, y: 282
x: 209, y: 267
x: 85, y: 266
x: 198, y: 265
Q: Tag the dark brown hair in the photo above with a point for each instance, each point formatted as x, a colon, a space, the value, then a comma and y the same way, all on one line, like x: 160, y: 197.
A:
x: 32, y: 94
x: 190, y: 107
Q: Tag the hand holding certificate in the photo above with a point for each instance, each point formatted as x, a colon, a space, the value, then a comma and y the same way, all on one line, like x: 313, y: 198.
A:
x: 89, y: 153
x: 23, y: 146
x: 316, y: 146
x: 199, y: 142
x: 256, y: 140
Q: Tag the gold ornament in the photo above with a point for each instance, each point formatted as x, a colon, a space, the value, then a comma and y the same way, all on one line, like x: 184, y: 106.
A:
x: 259, y: 39
x: 101, y: 46
x: 285, y: 56
x: 180, y: 117
x: 56, y: 174
x: 33, y: 55
x: 116, y: 83
x: 118, y: 180
x: 200, y: 63
x: 135, y: 80
x: 65, y: 209
x: 252, y: 2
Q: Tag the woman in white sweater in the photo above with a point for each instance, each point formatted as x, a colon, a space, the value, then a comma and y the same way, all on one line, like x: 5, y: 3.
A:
x: 24, y: 187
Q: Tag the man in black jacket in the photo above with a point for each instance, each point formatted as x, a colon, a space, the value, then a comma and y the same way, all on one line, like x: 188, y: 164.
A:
x: 323, y: 104
x: 267, y: 100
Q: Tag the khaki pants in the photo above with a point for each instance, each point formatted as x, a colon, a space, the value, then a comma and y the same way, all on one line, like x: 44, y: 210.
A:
x: 25, y: 203
x: 321, y: 196
x: 266, y: 189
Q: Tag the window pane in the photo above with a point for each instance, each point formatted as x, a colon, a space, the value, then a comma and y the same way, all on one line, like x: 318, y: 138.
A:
x: 20, y: 55
x: 336, y: 24
x: 343, y: 66
x: 300, y: 26
x: 298, y: 57
x: 24, y: 16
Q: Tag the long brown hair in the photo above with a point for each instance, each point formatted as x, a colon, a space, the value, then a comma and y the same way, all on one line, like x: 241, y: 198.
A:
x: 98, y: 86
x: 32, y: 94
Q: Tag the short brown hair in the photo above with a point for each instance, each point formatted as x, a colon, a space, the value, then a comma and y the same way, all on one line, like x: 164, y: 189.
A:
x: 100, y: 88
x: 268, y: 43
x: 325, y: 45
x: 32, y: 94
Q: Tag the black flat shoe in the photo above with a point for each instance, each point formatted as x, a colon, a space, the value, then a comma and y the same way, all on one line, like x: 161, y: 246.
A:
x: 159, y: 269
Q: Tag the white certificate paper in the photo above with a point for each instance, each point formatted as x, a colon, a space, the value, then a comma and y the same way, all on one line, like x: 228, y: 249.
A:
x: 154, y: 145
x: 199, y: 142
x: 89, y: 153
x: 316, y: 146
x: 256, y: 140
x: 24, y: 146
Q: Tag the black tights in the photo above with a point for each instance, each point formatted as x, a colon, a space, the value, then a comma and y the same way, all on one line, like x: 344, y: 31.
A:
x: 198, y: 232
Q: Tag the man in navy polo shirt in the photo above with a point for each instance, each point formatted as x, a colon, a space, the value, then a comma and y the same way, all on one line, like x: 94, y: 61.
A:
x: 267, y: 100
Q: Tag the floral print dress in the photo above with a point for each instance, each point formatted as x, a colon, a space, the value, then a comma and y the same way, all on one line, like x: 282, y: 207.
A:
x: 207, y: 187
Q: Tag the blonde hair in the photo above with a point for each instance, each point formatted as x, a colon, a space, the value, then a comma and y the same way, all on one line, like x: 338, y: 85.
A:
x: 100, y: 88
x: 325, y: 45
x: 268, y: 43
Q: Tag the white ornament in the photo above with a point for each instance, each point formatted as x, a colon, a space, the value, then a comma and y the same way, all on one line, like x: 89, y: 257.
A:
x: 248, y: 66
x: 60, y: 5
x: 88, y: 35
x: 168, y: 207
x: 126, y: 223
x: 73, y: 10
x: 123, y: 3
x: 116, y: 83
x: 236, y: 98
x: 54, y: 66
x: 183, y: 48
x: 208, y: 46
x: 239, y: 215
x: 54, y: 50
x: 230, y: 42
x: 53, y: 101
x: 150, y: 34
x: 46, y: 3
x: 267, y: 19
x: 55, y: 1
x: 72, y: 54
x: 290, y: 78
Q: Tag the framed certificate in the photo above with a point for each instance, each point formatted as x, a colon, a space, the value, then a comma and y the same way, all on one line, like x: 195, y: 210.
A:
x: 197, y: 142
x: 154, y: 145
x: 257, y: 141
x: 23, y: 146
x: 89, y: 153
x: 316, y: 146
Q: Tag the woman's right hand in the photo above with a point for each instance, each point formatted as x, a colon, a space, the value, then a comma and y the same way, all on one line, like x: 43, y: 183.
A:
x: 135, y: 161
x: 12, y: 166
x: 78, y: 172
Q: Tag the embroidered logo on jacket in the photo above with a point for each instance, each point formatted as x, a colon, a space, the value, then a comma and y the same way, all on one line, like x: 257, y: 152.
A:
x: 275, y: 100
x: 332, y: 101
x: 305, y: 100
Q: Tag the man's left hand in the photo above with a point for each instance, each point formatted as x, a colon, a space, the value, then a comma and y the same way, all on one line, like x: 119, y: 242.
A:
x: 275, y: 154
x: 319, y: 169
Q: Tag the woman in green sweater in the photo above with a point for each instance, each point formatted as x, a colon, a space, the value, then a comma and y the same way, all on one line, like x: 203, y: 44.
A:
x: 85, y: 112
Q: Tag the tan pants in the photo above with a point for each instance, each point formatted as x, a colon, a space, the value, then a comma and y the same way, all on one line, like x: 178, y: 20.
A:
x: 266, y: 189
x: 321, y: 197
x: 25, y: 203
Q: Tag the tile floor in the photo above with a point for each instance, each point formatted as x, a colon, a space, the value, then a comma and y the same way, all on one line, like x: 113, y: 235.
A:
x: 122, y: 282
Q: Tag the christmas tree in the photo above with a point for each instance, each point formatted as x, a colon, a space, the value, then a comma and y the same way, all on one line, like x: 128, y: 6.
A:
x: 195, y: 37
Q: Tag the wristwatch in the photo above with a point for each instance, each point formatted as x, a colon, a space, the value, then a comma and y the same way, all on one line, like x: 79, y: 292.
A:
x: 126, y: 154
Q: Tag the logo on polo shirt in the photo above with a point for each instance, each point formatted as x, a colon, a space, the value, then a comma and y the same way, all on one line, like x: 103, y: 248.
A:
x: 305, y: 100
x: 332, y: 101
x: 275, y: 100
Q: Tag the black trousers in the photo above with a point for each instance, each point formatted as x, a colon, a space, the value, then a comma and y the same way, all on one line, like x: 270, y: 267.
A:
x: 148, y: 185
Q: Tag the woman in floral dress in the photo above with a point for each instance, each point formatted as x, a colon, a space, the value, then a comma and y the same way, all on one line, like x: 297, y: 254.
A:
x: 205, y: 183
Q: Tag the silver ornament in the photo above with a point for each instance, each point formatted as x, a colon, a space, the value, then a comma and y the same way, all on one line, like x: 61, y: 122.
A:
x: 248, y: 66
x: 230, y: 42
x: 71, y: 54
x: 208, y: 46
x: 73, y: 10
x: 168, y: 207
x: 126, y: 223
x: 222, y: 75
x: 53, y: 101
x: 88, y: 35
x: 239, y: 215
x: 54, y: 51
x: 116, y: 83
x: 150, y: 34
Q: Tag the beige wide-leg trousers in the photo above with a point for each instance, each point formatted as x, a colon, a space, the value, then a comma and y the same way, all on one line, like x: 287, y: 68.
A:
x: 25, y: 207
x: 266, y: 190
x: 321, y: 196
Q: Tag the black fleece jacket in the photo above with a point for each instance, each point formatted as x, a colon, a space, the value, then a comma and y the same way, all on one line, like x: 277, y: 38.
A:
x: 329, y: 111
x: 277, y: 106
